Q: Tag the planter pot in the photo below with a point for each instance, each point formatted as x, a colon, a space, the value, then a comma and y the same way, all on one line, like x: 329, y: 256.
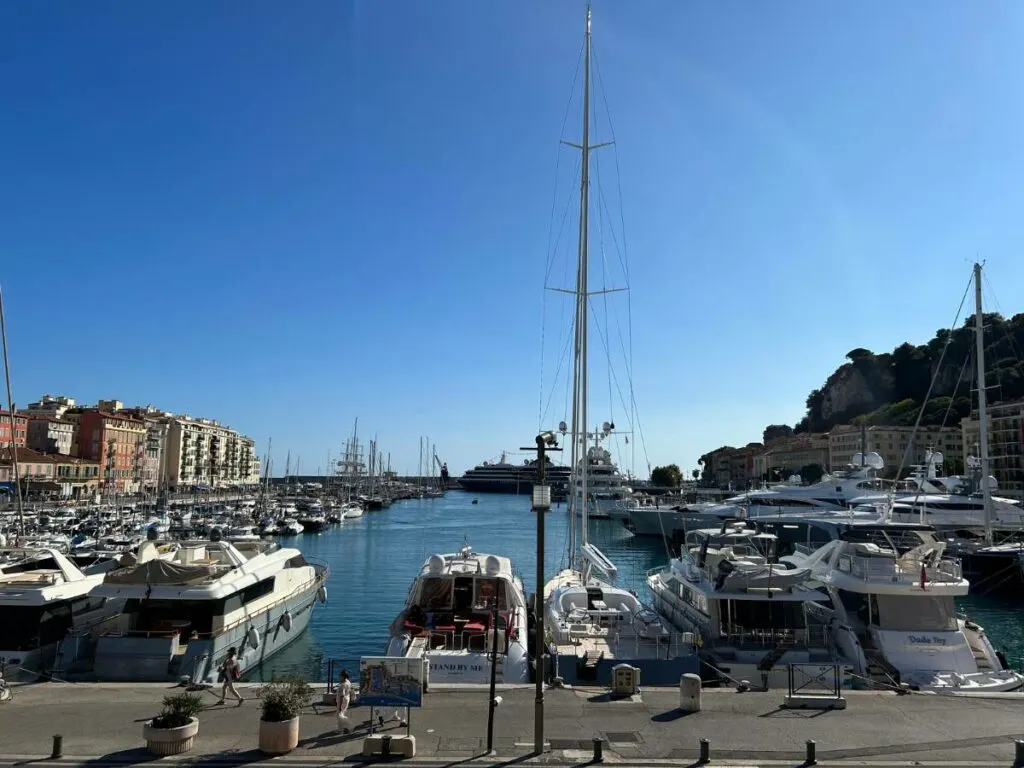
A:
x: 279, y: 738
x: 170, y: 741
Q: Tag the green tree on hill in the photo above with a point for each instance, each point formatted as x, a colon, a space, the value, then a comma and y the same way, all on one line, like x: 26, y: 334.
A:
x: 670, y: 476
x: 893, y: 385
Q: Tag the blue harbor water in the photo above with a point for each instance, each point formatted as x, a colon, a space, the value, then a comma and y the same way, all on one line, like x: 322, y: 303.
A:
x: 375, y: 558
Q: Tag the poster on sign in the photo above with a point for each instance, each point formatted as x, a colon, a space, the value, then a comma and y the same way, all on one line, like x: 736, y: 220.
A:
x: 390, y: 681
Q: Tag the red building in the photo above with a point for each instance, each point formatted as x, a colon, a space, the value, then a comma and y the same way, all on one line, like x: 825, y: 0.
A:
x: 118, y: 443
x: 20, y: 430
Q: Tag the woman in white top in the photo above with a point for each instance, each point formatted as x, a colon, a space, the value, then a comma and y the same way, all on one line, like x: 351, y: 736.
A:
x: 343, y: 697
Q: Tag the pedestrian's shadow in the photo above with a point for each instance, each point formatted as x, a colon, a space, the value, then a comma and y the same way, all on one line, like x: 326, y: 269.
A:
x: 671, y: 715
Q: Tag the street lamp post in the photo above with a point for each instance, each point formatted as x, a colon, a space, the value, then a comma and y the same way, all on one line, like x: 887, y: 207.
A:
x: 545, y: 441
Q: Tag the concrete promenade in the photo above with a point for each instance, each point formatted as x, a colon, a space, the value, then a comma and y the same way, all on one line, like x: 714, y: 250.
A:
x: 102, y: 725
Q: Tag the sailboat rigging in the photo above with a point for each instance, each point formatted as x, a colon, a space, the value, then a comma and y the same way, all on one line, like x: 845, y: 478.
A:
x: 588, y: 620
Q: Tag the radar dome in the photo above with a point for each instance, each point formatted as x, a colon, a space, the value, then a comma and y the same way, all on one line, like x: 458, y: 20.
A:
x: 992, y: 483
x: 435, y: 565
x: 872, y: 460
x: 492, y: 566
x: 935, y: 457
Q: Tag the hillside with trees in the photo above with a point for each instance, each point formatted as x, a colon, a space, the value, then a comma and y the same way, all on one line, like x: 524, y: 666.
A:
x: 888, y: 388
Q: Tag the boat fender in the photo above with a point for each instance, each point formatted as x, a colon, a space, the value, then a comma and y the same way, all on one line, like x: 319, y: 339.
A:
x: 254, y: 638
x: 321, y: 594
x: 286, y: 621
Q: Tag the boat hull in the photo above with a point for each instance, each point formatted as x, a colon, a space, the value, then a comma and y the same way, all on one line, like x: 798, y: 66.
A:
x: 126, y: 658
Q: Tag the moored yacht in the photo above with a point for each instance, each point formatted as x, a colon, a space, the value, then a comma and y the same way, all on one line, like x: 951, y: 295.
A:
x: 184, y: 609
x: 449, y: 619
x: 892, y: 609
x: 751, y: 615
x: 608, y: 492
x: 43, y: 596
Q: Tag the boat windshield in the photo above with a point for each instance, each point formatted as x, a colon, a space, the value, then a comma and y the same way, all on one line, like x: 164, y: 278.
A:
x: 25, y: 628
x: 461, y: 593
x: 914, y: 613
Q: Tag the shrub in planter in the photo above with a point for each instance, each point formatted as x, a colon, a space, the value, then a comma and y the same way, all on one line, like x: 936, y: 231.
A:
x: 174, y: 730
x: 281, y: 703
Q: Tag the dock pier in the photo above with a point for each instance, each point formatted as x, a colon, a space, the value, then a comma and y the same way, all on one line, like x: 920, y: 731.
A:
x: 101, y: 724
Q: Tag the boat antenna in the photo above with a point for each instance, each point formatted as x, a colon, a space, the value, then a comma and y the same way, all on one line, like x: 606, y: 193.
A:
x: 10, y: 415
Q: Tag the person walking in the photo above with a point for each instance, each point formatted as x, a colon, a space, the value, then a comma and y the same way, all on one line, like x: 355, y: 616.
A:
x: 342, y: 698
x: 230, y: 671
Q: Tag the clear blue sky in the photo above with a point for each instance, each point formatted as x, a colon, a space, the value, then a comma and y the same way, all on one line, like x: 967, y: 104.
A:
x: 287, y: 215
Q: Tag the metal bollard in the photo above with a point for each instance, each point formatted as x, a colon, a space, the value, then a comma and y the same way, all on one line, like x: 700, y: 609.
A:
x: 58, y: 747
x: 811, y: 758
x: 598, y: 750
x: 705, y: 751
x: 385, y: 747
x: 1018, y: 750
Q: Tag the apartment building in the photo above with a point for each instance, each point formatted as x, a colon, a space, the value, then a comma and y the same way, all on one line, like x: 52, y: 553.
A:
x: 20, y: 430
x: 50, y: 435
x: 891, y: 443
x: 117, y: 442
x: 51, y: 474
x: 788, y: 455
x: 201, y: 453
x: 1005, y: 444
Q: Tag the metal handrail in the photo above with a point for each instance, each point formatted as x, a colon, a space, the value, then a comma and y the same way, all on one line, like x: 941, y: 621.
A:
x: 900, y: 570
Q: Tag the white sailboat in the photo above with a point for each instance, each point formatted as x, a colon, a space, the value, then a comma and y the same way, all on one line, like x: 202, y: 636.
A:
x: 591, y: 624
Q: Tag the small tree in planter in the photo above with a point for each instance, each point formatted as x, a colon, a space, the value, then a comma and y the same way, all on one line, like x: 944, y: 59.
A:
x: 174, y: 730
x: 281, y: 703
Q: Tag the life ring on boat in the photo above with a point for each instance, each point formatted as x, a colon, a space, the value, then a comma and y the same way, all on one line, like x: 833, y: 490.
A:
x: 321, y: 594
x: 286, y: 621
x: 254, y: 638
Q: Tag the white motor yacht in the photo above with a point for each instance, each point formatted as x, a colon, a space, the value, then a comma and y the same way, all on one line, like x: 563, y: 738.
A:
x: 43, y: 596
x: 351, y: 510
x: 290, y: 527
x: 892, y: 609
x: 750, y: 616
x: 242, y: 533
x: 449, y: 619
x: 184, y: 609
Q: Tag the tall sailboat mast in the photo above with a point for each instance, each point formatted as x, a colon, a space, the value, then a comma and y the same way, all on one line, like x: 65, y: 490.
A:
x: 578, y: 453
x: 582, y: 299
x: 979, y: 341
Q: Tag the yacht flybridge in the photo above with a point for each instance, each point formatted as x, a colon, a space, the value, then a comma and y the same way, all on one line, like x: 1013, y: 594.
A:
x: 185, y: 608
x: 457, y: 608
x: 43, y: 596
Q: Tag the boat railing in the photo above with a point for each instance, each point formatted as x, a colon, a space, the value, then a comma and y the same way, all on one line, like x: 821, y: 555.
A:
x: 668, y: 645
x: 903, y: 570
x: 814, y: 635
